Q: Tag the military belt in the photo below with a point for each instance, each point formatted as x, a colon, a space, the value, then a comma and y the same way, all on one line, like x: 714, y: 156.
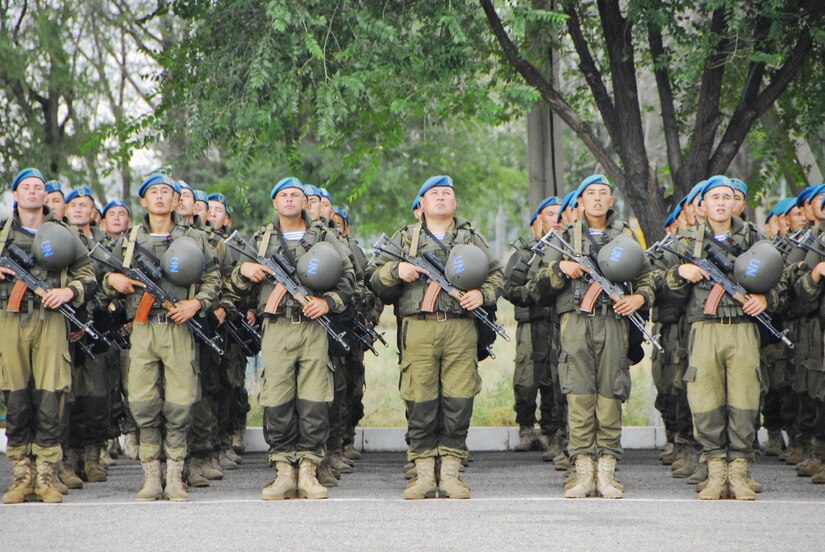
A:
x: 730, y: 320
x: 295, y: 318
x: 439, y: 316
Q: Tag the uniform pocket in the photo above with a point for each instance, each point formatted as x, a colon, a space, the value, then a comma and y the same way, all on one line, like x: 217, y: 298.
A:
x: 690, y: 373
x: 405, y: 385
x: 4, y: 379
x: 621, y: 382
x: 564, y: 374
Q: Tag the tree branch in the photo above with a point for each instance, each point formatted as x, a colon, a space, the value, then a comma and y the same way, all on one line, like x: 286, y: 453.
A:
x: 551, y: 95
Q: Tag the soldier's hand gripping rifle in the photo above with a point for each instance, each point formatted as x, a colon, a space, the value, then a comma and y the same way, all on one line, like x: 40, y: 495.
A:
x: 598, y: 282
x: 437, y: 282
x: 244, y: 334
x: 284, y: 283
x: 148, y: 274
x: 20, y: 261
x: 716, y: 269
x: 366, y: 334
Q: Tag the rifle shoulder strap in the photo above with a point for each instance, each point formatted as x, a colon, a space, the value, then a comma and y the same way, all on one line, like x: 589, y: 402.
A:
x: 698, y: 241
x: 267, y: 235
x: 130, y: 247
x: 4, y: 233
x: 577, y: 237
x: 416, y: 235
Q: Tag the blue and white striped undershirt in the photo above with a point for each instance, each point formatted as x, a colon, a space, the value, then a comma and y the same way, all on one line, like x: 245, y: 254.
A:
x: 294, y: 236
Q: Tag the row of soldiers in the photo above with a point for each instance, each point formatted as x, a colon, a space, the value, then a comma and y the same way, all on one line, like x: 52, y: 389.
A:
x: 99, y: 323
x: 719, y: 372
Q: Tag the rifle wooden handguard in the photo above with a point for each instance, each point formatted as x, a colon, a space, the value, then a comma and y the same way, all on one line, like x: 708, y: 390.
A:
x: 590, y: 297
x: 275, y: 298
x: 712, y: 302
x: 144, y: 308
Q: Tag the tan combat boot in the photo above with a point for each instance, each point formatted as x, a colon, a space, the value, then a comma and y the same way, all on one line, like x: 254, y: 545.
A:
x: 95, y: 472
x: 526, y: 439
x: 775, y: 443
x: 176, y: 490
x: 22, y: 487
x: 151, y: 488
x: 737, y: 476
x: 237, y: 442
x: 585, y: 478
x: 667, y: 454
x: 211, y: 469
x: 336, y: 460
x: 351, y: 452
x: 44, y: 488
x: 561, y: 462
x: 555, y: 448
x: 105, y: 458
x: 716, y: 485
x: 819, y: 477
x: 605, y: 481
x: 68, y: 477
x: 195, y: 475
x: 225, y: 463
x: 423, y: 484
x: 690, y: 464
x: 449, y: 484
x: 326, y: 477
x: 285, y: 484
x: 699, y: 475
x: 308, y: 486
x: 130, y: 445
x: 808, y: 467
x: 232, y: 455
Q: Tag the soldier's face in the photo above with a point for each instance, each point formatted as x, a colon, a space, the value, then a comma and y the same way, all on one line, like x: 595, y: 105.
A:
x: 596, y: 199
x: 698, y: 209
x: 549, y: 218
x: 217, y: 214
x: 739, y: 203
x: 117, y: 220
x: 773, y: 226
x: 80, y: 210
x: 811, y: 210
x: 30, y: 194
x: 56, y: 204
x: 158, y: 200
x: 439, y: 202
x: 201, y: 209
x: 186, y: 204
x: 782, y: 222
x: 341, y: 224
x: 690, y: 214
x: 313, y: 204
x: 815, y: 207
x: 796, y: 219
x: 289, y: 202
x: 326, y: 209
x: 718, y: 204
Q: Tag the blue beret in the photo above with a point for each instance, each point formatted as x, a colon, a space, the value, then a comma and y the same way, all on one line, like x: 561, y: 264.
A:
x: 83, y: 191
x: 770, y: 214
x: 182, y: 185
x: 739, y: 186
x: 435, y: 182
x: 54, y: 186
x: 288, y: 182
x: 416, y: 203
x: 341, y: 213
x: 695, y: 191
x: 24, y: 174
x: 805, y: 195
x: 114, y: 203
x: 671, y: 218
x: 565, y: 203
x: 326, y: 194
x: 546, y: 202
x: 593, y: 179
x: 154, y: 180
x: 220, y: 198
x: 310, y: 190
x: 784, y: 206
x: 818, y: 189
x: 200, y: 195
x: 717, y: 181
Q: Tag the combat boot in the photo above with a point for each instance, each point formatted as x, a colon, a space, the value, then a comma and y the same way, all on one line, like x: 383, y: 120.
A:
x: 689, y: 466
x: 113, y: 448
x: 699, y: 475
x: 95, y: 473
x: 230, y: 453
x: 819, y: 477
x: 716, y: 485
x: 73, y: 462
x: 808, y: 467
x: 555, y: 448
x: 225, y: 463
x: 423, y: 484
x: 585, y: 478
x: 561, y: 462
x: 211, y: 469
x: 351, y: 452
x: 130, y: 445
x: 605, y: 481
x: 544, y: 442
x: 666, y: 456
x: 68, y: 477
x: 195, y: 475
x: 449, y: 484
x: 44, y: 488
x: 796, y: 454
x: 105, y: 459
x: 775, y: 443
x: 337, y: 462
x: 285, y: 484
x: 58, y: 484
x: 308, y: 486
x: 237, y: 442
x: 682, y: 450
x: 325, y: 475
x: 22, y: 487
x: 737, y: 474
x: 151, y: 488
x: 410, y: 471
x: 526, y: 439
x: 176, y: 490
x: 754, y: 485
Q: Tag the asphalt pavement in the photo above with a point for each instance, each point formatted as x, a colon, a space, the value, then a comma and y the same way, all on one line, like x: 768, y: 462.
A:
x: 516, y: 504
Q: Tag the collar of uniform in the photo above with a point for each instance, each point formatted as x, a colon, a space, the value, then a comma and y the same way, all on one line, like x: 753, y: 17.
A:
x: 610, y: 218
x: 176, y: 221
x: 49, y: 217
x: 276, y: 220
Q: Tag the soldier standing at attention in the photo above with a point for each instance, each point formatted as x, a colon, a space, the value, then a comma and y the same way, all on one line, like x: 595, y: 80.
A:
x: 36, y: 369
x: 593, y: 366
x: 439, y: 367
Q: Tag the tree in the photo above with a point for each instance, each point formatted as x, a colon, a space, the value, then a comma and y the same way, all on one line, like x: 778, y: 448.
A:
x: 719, y: 66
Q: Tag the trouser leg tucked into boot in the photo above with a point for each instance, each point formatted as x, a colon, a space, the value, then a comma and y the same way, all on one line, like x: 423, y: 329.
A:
x: 423, y: 484
x: 585, y: 478
x: 22, y: 487
x: 449, y: 484
x: 737, y: 476
x: 176, y: 490
x: 44, y: 487
x: 308, y: 486
x: 95, y: 472
x: 717, y: 479
x: 151, y: 488
x: 605, y: 481
x: 285, y: 484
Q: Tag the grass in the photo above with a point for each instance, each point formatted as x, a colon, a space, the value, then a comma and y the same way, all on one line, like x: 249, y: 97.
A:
x: 493, y: 406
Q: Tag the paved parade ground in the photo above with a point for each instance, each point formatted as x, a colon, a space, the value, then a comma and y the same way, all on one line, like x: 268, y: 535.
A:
x: 517, y: 504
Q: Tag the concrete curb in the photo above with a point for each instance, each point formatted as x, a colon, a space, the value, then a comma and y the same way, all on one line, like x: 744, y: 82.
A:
x: 391, y: 439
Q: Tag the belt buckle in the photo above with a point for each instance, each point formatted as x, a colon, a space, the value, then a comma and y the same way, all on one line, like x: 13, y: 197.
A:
x: 295, y: 318
x: 438, y: 316
x: 723, y: 319
x: 163, y: 319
